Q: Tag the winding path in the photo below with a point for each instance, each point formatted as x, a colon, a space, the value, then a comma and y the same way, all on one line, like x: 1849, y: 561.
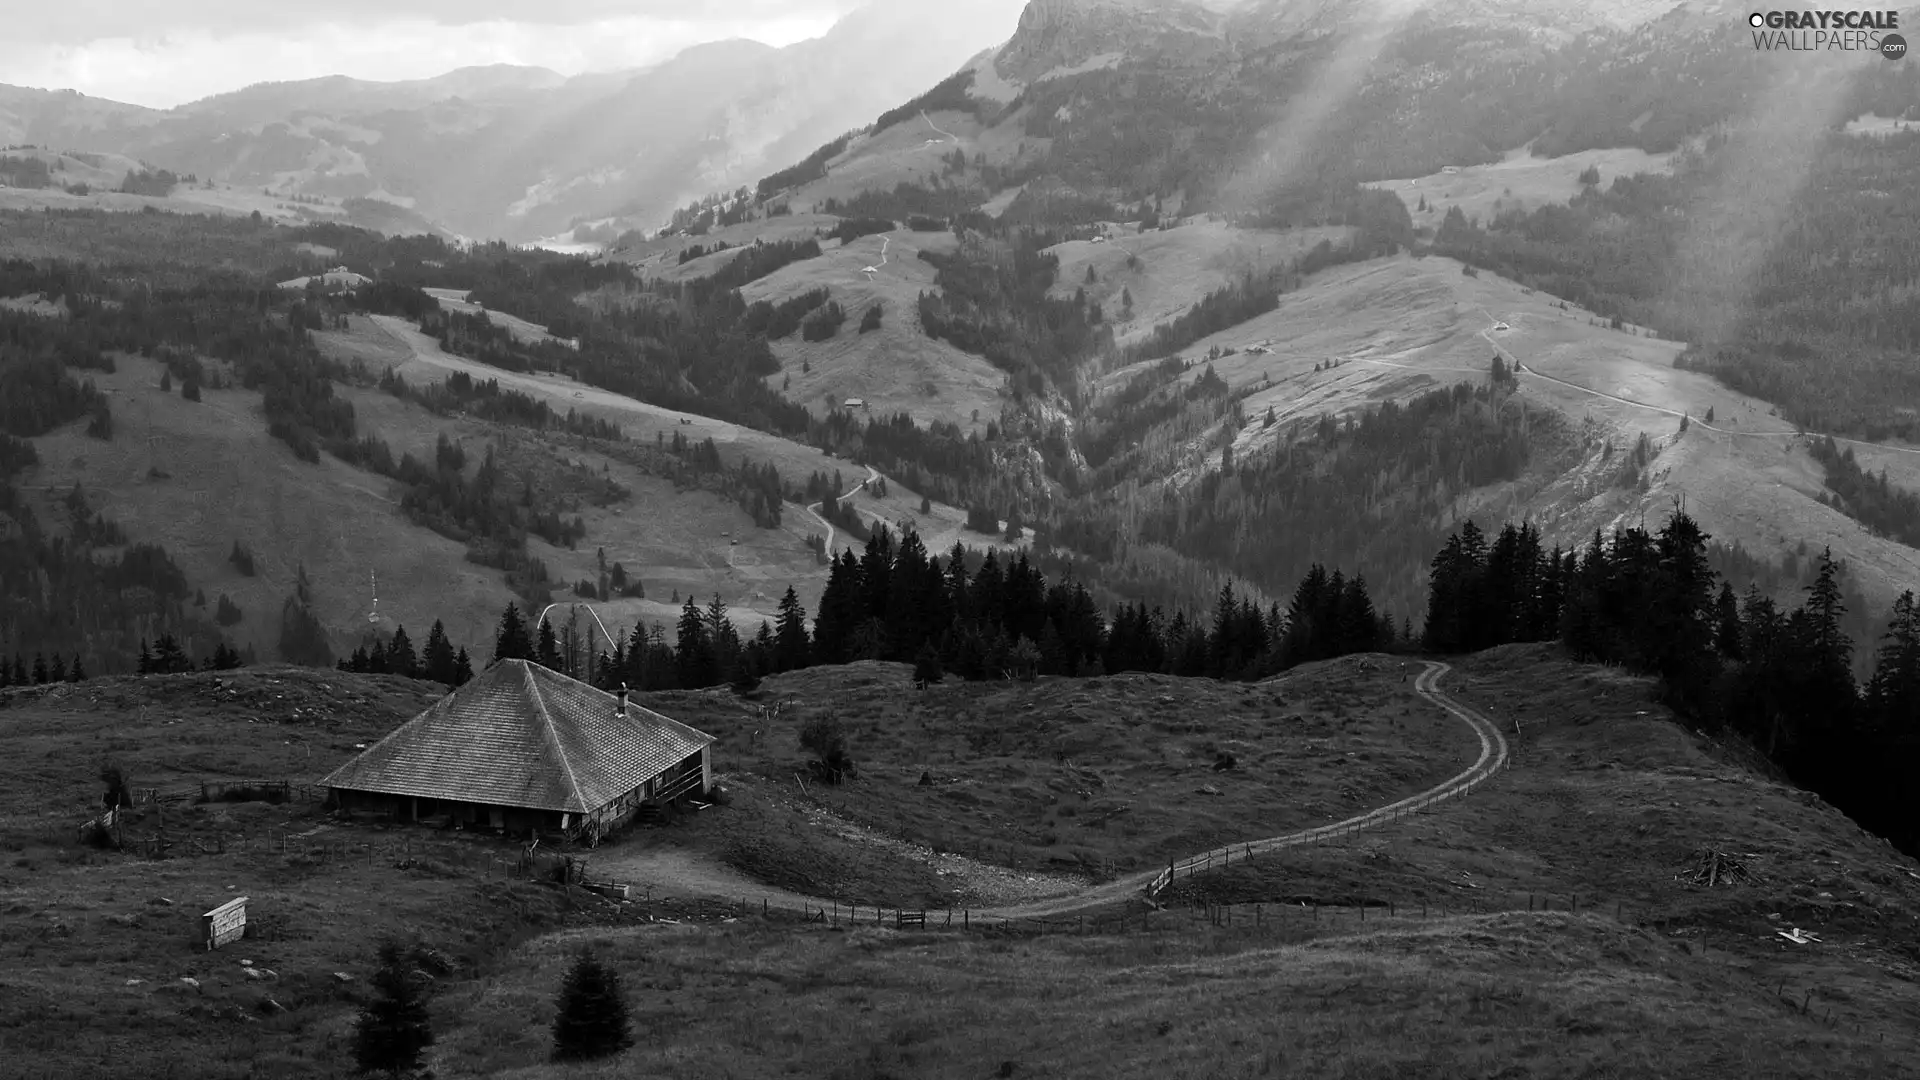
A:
x: 1493, y: 758
x: 1692, y: 421
x: 950, y: 135
x: 872, y: 475
x: 690, y: 874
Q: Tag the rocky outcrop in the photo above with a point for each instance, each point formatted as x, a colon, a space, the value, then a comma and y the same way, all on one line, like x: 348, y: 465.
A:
x: 1055, y: 36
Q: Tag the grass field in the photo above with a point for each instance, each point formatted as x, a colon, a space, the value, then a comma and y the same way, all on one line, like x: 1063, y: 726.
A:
x: 1177, y: 267
x: 896, y: 368
x: 1083, y: 778
x: 1519, y: 181
x: 1605, y: 803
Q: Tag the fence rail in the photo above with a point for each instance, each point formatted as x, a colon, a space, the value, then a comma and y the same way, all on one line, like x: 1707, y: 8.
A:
x: 1247, y: 852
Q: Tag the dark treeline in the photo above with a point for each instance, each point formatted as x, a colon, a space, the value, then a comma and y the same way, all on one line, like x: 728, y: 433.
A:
x: 1782, y: 679
x: 77, y: 588
x: 778, y: 320
x: 754, y: 262
x: 756, y: 489
x: 692, y: 252
x: 462, y: 393
x: 1250, y: 297
x: 1374, y: 485
x: 811, y: 167
x: 907, y: 201
x: 436, y: 661
x: 849, y: 229
x: 1886, y: 510
x: 155, y: 182
x: 24, y: 172
x: 979, y: 616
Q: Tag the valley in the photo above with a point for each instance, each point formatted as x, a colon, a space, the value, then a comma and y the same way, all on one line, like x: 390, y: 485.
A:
x: 1200, y: 538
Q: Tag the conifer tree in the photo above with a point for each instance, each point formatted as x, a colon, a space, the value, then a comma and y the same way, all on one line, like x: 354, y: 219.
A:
x: 512, y: 641
x: 547, y: 653
x: 591, y: 1020
x: 437, y: 660
x: 926, y: 665
x: 693, y: 650
x: 790, y: 650
x: 1893, y: 694
x: 400, y: 655
x: 462, y: 668
x: 394, y: 1028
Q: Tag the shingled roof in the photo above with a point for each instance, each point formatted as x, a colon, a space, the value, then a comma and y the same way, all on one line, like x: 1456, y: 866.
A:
x: 523, y: 735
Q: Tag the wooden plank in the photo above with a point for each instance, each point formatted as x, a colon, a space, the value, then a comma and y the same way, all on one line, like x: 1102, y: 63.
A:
x: 226, y: 923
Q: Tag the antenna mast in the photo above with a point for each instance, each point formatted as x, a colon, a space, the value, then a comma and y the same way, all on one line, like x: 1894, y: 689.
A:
x: 373, y: 583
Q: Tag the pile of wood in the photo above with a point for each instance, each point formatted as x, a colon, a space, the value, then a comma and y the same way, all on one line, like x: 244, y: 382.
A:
x: 1711, y: 868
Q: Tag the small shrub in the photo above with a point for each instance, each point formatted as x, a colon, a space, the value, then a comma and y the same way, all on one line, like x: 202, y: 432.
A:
x: 394, y: 1029
x: 592, y: 1021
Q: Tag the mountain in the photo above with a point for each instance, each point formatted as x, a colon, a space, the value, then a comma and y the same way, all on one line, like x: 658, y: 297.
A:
x: 521, y: 153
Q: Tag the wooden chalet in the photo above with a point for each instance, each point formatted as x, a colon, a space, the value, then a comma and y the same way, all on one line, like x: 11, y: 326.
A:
x: 526, y: 750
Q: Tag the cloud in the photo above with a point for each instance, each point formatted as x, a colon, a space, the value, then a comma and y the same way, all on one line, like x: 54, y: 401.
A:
x: 76, y: 22
x: 189, y: 62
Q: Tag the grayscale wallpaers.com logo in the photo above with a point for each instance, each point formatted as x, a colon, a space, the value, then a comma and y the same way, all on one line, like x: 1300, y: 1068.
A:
x: 1844, y: 31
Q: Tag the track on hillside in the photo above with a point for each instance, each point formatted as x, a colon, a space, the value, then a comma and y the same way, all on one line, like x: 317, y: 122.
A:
x: 1493, y: 757
x: 692, y: 874
x: 827, y: 545
x: 1519, y: 366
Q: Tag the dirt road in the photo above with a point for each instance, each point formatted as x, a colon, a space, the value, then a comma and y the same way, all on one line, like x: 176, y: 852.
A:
x: 676, y: 871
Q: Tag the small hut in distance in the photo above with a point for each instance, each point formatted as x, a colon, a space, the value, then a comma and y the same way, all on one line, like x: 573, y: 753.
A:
x: 527, y: 750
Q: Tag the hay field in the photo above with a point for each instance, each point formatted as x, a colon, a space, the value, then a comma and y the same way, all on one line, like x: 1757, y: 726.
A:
x: 1519, y: 181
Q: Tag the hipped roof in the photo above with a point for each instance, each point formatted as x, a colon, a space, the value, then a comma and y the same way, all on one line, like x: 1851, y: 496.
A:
x: 523, y: 735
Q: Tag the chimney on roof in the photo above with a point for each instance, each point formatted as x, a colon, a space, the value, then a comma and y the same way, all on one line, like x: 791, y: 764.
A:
x: 620, y: 710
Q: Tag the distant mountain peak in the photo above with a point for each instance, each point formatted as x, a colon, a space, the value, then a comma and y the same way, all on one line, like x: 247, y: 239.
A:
x: 1061, y: 35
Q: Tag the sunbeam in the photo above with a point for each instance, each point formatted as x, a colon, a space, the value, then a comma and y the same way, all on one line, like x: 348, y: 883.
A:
x: 1282, y: 148
x: 1761, y: 171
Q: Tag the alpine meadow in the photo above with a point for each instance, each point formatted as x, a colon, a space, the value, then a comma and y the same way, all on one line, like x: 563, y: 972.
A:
x: 1100, y: 538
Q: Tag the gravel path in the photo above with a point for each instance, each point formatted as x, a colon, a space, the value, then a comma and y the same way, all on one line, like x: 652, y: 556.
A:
x: 679, y: 872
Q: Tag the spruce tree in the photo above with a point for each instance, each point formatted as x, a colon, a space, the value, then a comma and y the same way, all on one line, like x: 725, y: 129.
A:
x: 462, y: 668
x: 77, y: 673
x: 693, y: 651
x: 790, y: 639
x: 438, y: 660
x: 394, y: 1029
x: 400, y: 656
x: 926, y: 665
x: 1726, y: 614
x: 592, y: 1017
x: 512, y: 641
x: 547, y: 653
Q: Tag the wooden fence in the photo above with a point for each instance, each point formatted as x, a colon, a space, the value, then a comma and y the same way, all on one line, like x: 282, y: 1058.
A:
x: 1244, y: 852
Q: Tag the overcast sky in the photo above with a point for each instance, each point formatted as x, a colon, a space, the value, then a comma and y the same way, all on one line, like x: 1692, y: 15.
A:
x: 163, y: 54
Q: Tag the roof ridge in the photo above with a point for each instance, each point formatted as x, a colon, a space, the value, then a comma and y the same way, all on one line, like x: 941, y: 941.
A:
x: 553, y: 736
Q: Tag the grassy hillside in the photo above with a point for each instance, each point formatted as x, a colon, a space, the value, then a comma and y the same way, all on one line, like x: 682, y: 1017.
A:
x: 198, y: 476
x: 1387, y: 330
x: 1606, y: 805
